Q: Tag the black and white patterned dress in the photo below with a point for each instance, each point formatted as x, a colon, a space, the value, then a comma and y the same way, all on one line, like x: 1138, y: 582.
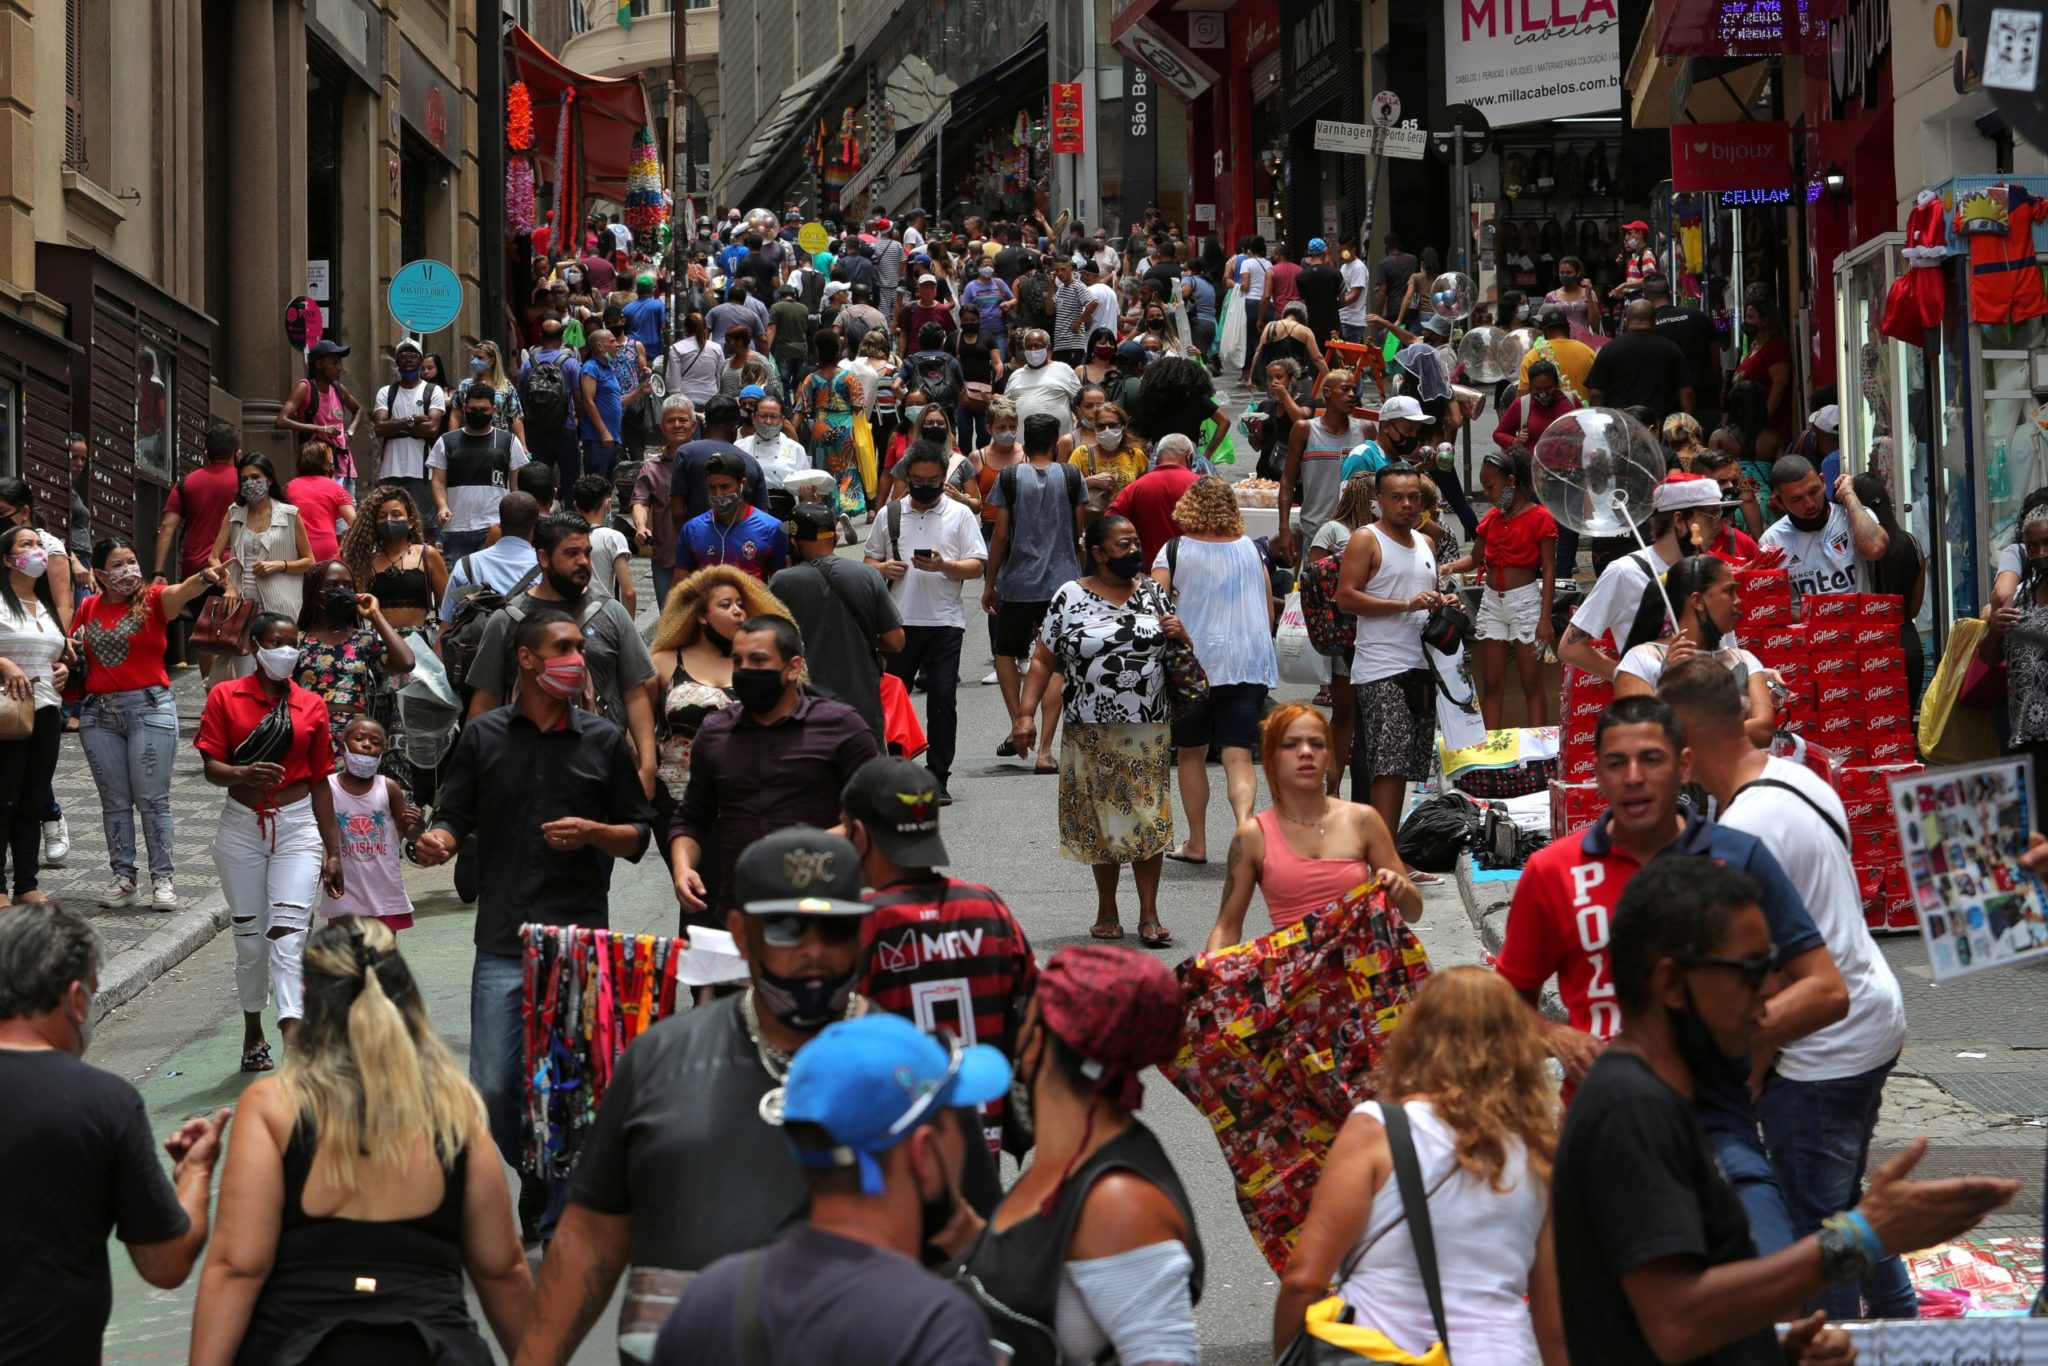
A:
x: 1116, y: 754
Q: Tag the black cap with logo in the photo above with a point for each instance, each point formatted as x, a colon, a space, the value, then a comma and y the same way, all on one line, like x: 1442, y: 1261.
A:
x: 801, y: 870
x: 899, y: 804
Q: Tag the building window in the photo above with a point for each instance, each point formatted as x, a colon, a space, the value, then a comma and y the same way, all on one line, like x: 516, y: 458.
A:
x: 10, y: 428
x: 74, y: 83
x: 152, y: 410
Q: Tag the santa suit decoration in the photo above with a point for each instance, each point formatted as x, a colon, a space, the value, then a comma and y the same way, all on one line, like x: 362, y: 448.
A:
x: 1919, y: 296
x: 2005, y: 279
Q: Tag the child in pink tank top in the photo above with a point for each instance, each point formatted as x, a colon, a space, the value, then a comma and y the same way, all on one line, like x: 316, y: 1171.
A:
x: 373, y: 818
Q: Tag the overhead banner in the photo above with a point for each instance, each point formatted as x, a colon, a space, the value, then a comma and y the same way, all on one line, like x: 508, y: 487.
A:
x: 1717, y: 157
x: 1179, y: 72
x: 1525, y: 63
x: 1069, y: 136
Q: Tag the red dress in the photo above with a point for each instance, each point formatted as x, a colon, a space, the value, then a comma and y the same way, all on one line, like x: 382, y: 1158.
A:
x: 1919, y: 296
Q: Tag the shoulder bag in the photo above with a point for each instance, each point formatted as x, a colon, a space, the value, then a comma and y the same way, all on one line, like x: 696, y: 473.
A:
x: 1187, y: 682
x: 223, y: 626
x: 1328, y: 1337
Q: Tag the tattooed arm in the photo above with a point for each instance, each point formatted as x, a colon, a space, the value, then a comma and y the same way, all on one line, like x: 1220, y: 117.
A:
x: 1577, y: 650
x: 1240, y: 878
x: 576, y: 1282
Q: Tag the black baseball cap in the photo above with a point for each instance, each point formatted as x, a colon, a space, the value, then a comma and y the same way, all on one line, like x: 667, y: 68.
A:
x: 727, y: 463
x: 800, y: 870
x: 898, y: 801
x: 327, y: 346
x: 812, y: 521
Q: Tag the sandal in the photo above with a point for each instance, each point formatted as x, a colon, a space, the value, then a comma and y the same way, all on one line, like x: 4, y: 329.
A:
x: 1106, y: 931
x: 1159, y: 937
x: 257, y: 1059
x: 1179, y: 855
x: 1045, y: 768
x: 1007, y: 749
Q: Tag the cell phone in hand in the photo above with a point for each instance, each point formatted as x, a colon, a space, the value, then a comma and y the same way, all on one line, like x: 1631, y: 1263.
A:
x: 921, y: 555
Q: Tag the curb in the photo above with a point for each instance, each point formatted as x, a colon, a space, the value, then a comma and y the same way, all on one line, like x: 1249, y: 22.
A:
x: 131, y: 971
x: 1488, y: 912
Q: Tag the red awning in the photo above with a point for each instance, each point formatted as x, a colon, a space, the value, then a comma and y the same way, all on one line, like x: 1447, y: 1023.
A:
x: 609, y: 111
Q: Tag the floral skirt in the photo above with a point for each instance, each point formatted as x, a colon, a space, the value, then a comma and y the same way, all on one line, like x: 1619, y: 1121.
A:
x: 1116, y: 791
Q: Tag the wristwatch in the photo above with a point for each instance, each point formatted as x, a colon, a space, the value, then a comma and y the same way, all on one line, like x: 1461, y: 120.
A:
x: 1843, y: 1256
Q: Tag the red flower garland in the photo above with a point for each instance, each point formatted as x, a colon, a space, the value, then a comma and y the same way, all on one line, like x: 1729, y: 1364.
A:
x: 519, y: 117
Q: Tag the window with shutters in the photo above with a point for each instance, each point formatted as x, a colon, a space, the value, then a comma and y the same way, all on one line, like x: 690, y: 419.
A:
x: 74, y: 84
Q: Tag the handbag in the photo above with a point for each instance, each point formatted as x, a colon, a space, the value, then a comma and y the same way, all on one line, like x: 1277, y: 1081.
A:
x: 1446, y: 629
x: 271, y: 739
x: 1950, y: 732
x: 1187, y: 682
x: 223, y: 626
x: 1327, y: 1336
x: 975, y: 397
x: 1983, y: 683
x: 17, y: 717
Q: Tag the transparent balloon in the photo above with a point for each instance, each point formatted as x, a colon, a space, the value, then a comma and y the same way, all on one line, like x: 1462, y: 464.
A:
x: 763, y: 221
x: 1479, y: 353
x: 1597, y: 470
x: 1509, y: 350
x: 1451, y: 295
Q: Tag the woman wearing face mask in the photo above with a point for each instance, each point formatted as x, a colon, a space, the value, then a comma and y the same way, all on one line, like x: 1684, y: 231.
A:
x: 265, y: 740
x: 346, y: 646
x: 2017, y: 633
x: 830, y: 401
x: 1105, y: 634
x: 1526, y: 419
x: 1702, y: 592
x: 1768, y: 366
x: 1101, y: 363
x: 980, y: 355
x: 1109, y: 455
x: 910, y: 415
x: 992, y: 301
x: 1580, y: 304
x: 1096, y: 1242
x: 387, y: 550
x: 484, y: 367
x: 30, y: 642
x: 739, y: 349
x: 262, y: 544
x: 322, y: 502
x: 129, y: 724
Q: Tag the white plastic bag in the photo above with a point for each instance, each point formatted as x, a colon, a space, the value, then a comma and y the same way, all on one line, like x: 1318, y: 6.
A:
x: 1457, y: 700
x: 1231, y: 341
x: 1299, y: 662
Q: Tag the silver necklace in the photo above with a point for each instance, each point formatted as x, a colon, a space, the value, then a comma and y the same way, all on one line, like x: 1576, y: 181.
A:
x: 774, y: 1061
x: 1320, y: 821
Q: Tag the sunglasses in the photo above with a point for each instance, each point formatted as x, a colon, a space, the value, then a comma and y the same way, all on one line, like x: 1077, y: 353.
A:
x: 1752, y: 970
x: 787, y: 931
x: 928, y: 1092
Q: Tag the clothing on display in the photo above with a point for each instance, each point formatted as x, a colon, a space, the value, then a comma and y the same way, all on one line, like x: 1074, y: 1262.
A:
x: 2005, y: 277
x: 1920, y: 296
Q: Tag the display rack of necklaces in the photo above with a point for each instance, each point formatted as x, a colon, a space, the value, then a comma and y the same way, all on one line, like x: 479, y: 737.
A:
x: 588, y: 993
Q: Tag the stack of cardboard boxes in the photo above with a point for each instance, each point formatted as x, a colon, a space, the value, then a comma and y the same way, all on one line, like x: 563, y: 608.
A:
x: 1846, y: 699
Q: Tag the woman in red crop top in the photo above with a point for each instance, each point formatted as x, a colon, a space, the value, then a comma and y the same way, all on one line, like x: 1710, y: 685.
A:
x: 265, y: 740
x: 1515, y: 549
x: 1308, y: 849
x: 129, y: 723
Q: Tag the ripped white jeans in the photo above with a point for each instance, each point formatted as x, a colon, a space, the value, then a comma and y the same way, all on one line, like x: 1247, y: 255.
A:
x: 270, y: 874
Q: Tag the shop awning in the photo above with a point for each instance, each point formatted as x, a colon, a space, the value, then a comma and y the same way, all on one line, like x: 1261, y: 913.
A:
x: 793, y: 109
x: 1001, y: 87
x: 609, y: 113
x: 1664, y: 91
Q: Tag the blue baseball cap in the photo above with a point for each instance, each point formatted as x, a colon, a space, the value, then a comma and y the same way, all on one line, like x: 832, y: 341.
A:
x: 869, y: 1082
x: 753, y: 391
x: 1316, y: 246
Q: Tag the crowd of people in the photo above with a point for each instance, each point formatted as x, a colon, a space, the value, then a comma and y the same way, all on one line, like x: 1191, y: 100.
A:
x: 443, y: 666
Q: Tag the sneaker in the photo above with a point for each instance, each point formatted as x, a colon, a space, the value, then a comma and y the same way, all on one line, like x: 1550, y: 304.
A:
x: 163, y: 896
x: 56, y: 842
x: 991, y: 679
x: 119, y: 895
x: 945, y: 797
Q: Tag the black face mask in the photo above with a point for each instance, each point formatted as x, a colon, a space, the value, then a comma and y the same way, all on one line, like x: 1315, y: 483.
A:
x: 927, y: 494
x: 1126, y: 566
x: 1710, y: 634
x: 1807, y: 523
x: 758, y: 689
x: 719, y: 641
x: 802, y: 1002
x: 389, y: 532
x: 340, y: 603
x: 1703, y: 1057
x: 1403, y: 445
x: 934, y: 1212
x: 476, y: 421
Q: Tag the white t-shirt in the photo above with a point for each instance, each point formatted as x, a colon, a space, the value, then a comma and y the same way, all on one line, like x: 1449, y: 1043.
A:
x: 1823, y: 561
x: 1050, y: 388
x: 1819, y: 865
x: 1356, y: 276
x: 472, y: 507
x: 925, y: 597
x: 606, y: 545
x: 405, y: 456
x: 1646, y: 662
x: 1251, y: 275
x: 2012, y: 559
x: 1102, y: 308
x: 1616, y: 597
x: 1332, y: 536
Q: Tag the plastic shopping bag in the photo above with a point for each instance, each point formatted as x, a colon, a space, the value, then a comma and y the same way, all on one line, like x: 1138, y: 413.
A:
x: 1299, y: 662
x: 1231, y: 338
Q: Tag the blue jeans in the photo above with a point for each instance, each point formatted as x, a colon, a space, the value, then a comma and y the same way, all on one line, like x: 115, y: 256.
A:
x: 497, y: 1058
x: 1818, y: 1133
x: 1251, y: 334
x: 1453, y: 490
x: 664, y: 576
x: 790, y: 369
x: 1739, y: 1151
x: 564, y: 451
x: 937, y: 649
x: 456, y: 544
x: 598, y: 459
x: 131, y: 744
x: 1352, y: 332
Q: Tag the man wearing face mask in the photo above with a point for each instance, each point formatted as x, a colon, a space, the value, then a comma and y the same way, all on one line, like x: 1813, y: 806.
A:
x: 550, y: 389
x: 1693, y: 333
x: 471, y: 470
x: 877, y: 1116
x: 731, y: 530
x: 681, y: 1167
x: 844, y: 611
x: 1826, y: 544
x: 551, y: 793
x: 1042, y: 385
x: 618, y: 665
x: 926, y: 546
x: 410, y: 413
x: 778, y: 455
x: 110, y: 1182
x: 1573, y: 358
x: 1070, y: 305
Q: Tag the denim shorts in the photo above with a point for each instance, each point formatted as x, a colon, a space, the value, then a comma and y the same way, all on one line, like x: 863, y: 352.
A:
x: 1228, y: 716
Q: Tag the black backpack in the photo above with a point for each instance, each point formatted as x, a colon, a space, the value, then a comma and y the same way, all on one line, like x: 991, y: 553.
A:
x: 476, y: 602
x: 545, y: 395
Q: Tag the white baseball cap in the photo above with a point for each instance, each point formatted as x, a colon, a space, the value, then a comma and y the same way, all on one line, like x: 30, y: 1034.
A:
x: 927, y: 279
x: 1404, y: 409
x: 1828, y: 419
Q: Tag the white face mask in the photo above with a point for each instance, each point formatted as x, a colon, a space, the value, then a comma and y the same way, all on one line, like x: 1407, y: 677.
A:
x: 1035, y: 356
x: 1111, y: 436
x: 278, y: 661
x: 361, y: 765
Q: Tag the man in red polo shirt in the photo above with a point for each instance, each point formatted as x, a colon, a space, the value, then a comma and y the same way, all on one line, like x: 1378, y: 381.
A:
x: 1149, y: 499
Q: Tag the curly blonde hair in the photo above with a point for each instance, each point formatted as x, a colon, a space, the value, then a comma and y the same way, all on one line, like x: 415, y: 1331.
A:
x: 1469, y: 1043
x: 1208, y: 509
x: 682, y: 616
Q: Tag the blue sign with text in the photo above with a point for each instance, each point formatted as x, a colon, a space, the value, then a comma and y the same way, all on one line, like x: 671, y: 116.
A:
x: 424, y: 296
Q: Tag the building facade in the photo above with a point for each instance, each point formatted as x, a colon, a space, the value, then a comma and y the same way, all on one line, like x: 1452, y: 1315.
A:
x: 650, y: 48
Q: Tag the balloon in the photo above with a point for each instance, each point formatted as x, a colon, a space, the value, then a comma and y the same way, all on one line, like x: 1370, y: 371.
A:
x: 1509, y: 350
x: 763, y: 221
x: 1479, y: 352
x: 1597, y: 470
x: 1451, y: 295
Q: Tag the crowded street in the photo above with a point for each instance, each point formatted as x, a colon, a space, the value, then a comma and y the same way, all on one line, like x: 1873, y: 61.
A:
x: 932, y: 684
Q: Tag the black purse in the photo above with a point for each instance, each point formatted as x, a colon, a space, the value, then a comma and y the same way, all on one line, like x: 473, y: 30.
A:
x: 271, y: 740
x: 1447, y: 629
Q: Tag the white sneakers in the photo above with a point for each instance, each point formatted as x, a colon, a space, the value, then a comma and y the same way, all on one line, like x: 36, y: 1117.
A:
x: 120, y: 895
x: 124, y: 895
x: 163, y: 896
x: 56, y: 842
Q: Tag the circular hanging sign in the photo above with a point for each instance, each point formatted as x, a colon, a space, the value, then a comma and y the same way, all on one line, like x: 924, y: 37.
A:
x: 425, y: 296
x: 1386, y: 109
x: 303, y: 322
x: 813, y: 238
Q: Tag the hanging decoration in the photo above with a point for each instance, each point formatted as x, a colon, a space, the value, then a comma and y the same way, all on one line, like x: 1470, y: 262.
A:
x: 519, y: 205
x: 849, y: 144
x: 566, y: 219
x: 519, y: 118
x: 645, y: 210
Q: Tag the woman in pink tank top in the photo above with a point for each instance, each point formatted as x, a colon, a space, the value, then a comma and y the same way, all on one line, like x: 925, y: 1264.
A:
x: 1308, y: 849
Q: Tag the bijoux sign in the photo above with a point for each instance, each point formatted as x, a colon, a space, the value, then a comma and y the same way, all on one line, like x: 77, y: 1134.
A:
x: 1730, y: 156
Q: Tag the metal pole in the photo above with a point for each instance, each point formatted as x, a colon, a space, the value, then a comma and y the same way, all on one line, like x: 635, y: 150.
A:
x: 939, y: 175
x: 490, y: 99
x: 1458, y: 176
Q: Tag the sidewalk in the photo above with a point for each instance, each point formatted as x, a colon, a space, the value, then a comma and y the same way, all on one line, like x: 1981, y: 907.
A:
x: 142, y: 944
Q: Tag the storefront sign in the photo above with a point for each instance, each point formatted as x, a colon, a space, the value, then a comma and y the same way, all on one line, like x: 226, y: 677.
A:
x: 1179, y: 71
x: 1857, y: 45
x: 429, y: 102
x: 1530, y: 61
x: 1730, y: 156
x: 303, y: 323
x: 1068, y: 118
x: 424, y: 296
x: 319, y: 279
x: 1206, y: 31
x: 1141, y: 141
x: 1317, y: 54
